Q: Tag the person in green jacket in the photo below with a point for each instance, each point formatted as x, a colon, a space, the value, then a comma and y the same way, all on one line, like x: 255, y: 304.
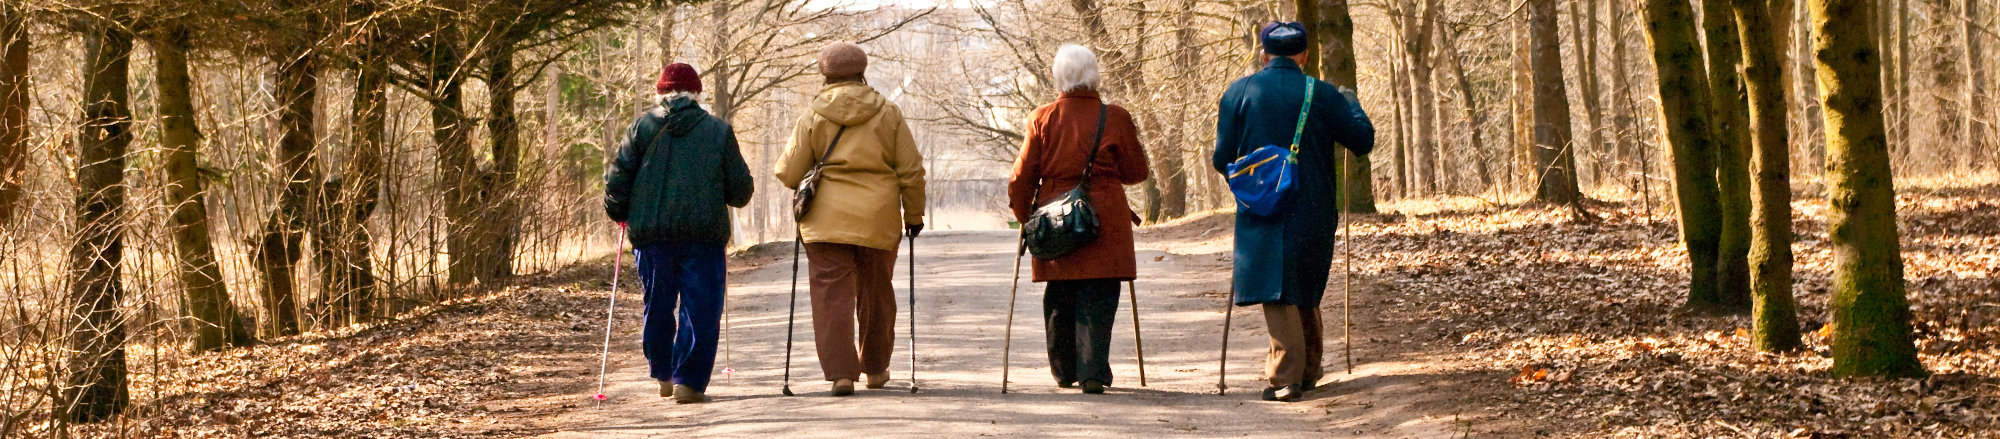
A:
x: 871, y: 192
x: 676, y: 171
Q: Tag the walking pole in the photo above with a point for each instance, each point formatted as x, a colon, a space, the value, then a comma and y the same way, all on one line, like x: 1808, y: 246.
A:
x: 913, y: 313
x: 1007, y: 347
x: 1138, y: 343
x: 604, y: 357
x: 792, y: 318
x: 1347, y: 272
x: 1222, y: 376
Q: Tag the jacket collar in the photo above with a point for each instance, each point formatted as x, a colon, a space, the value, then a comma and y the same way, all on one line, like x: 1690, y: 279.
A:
x: 1281, y: 62
x: 1081, y: 93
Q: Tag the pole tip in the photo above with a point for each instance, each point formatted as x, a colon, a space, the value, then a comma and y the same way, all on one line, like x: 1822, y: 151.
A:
x: 599, y: 397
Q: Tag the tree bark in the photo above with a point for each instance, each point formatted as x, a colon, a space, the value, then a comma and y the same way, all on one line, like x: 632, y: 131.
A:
x: 1523, y: 98
x: 1765, y: 31
x: 1584, y: 32
x: 96, y: 383
x: 1981, y: 123
x: 1732, y: 130
x: 204, y: 293
x: 1417, y: 28
x: 1685, y: 110
x: 457, y: 168
x: 353, y: 277
x: 1475, y: 119
x: 1621, y: 102
x: 278, y: 251
x: 1946, y: 130
x: 1555, y: 160
x: 13, y: 108
x: 500, y: 193
x: 1333, y: 31
x: 1900, y: 137
x: 1171, y: 170
x: 1871, y: 316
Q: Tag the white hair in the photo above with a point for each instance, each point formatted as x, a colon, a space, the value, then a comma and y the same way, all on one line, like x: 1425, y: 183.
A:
x: 662, y: 99
x: 1075, y: 68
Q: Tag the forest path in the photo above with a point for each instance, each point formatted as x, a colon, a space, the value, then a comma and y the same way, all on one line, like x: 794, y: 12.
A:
x: 961, y: 314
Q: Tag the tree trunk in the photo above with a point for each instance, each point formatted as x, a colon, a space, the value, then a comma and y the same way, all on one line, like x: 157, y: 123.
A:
x: 1871, y: 316
x: 204, y: 293
x: 1583, y: 32
x: 1892, y: 86
x: 1764, y: 28
x: 1621, y: 102
x: 1170, y: 167
x: 1555, y: 161
x: 1417, y: 28
x: 1900, y: 139
x: 1333, y: 45
x: 1475, y: 119
x: 278, y: 252
x: 1402, y: 159
x: 353, y: 276
x: 501, y: 193
x: 13, y: 108
x: 96, y: 384
x: 1685, y: 110
x: 1523, y: 98
x: 1945, y: 88
x: 1981, y: 124
x: 457, y: 168
x: 1732, y: 159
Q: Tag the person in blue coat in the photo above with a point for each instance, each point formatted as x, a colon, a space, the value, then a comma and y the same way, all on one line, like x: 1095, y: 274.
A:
x: 1282, y: 260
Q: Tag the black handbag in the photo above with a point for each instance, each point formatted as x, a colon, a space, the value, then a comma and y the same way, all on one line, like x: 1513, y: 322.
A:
x: 809, y: 185
x: 1069, y: 222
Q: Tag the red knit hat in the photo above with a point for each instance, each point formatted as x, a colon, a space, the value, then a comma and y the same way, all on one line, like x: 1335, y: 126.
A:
x: 678, y: 77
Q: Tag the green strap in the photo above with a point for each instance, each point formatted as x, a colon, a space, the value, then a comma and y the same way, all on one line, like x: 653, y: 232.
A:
x: 1303, y: 110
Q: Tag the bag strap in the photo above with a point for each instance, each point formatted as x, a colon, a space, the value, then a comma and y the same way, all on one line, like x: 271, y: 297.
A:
x: 1096, y: 143
x: 821, y: 162
x: 1304, y: 109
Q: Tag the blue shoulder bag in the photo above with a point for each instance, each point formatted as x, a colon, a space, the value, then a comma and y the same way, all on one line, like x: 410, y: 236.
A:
x: 1262, y: 179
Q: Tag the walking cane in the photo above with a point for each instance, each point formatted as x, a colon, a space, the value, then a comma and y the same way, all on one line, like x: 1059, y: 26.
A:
x: 604, y: 357
x: 1007, y: 347
x: 1347, y: 272
x: 1222, y: 376
x: 791, y: 318
x: 913, y: 313
x: 1138, y: 343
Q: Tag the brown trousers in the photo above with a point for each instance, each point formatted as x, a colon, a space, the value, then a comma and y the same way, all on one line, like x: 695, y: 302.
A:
x: 1297, y: 345
x: 850, y: 281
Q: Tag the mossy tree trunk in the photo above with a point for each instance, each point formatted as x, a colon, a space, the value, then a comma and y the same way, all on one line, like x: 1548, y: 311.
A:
x: 203, y: 291
x: 1774, y: 313
x: 95, y: 385
x: 1732, y: 159
x: 1871, y: 316
x: 1333, y: 40
x: 1685, y: 112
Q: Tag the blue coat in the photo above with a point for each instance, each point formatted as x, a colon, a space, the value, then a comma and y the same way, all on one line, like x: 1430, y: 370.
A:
x: 1284, y: 258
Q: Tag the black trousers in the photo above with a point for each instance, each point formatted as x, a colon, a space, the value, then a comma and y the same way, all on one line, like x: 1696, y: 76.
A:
x: 1079, y: 315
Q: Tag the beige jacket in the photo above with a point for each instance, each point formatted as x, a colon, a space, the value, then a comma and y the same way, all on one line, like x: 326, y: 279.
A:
x: 874, y: 171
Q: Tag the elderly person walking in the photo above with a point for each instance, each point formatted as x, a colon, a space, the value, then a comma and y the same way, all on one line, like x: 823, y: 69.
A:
x: 1282, y: 259
x: 676, y: 170
x: 1062, y: 141
x: 871, y: 192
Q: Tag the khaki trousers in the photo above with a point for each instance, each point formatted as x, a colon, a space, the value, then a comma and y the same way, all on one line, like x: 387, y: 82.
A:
x: 1297, y: 345
x: 852, y: 283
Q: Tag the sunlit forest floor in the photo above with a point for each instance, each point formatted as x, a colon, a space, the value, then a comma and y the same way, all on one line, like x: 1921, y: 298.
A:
x: 1516, y: 319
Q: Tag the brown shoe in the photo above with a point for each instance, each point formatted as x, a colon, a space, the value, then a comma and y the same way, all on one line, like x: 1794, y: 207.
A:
x: 687, y: 395
x: 876, y: 381
x: 843, y: 387
x: 666, y: 389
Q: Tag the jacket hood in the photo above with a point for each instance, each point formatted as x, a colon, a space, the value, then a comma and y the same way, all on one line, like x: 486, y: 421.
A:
x: 682, y: 116
x: 848, y: 103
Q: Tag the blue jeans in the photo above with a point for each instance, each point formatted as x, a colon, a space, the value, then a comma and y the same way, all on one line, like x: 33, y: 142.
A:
x: 684, y: 280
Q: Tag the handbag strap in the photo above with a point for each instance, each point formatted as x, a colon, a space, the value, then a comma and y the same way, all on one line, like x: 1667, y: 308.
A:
x: 1096, y: 143
x: 821, y: 163
x: 1304, y: 109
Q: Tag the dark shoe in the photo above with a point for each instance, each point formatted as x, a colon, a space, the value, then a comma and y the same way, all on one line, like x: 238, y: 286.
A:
x: 1066, y: 384
x: 687, y: 395
x: 1290, y: 393
x: 1271, y: 393
x: 1093, y: 387
x: 843, y: 387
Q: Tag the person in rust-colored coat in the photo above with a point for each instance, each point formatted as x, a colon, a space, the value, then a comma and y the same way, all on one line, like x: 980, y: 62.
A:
x: 1082, y: 297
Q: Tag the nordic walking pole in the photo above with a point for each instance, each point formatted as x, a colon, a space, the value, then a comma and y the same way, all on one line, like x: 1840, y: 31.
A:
x: 1007, y: 347
x: 1347, y: 270
x: 1138, y: 343
x: 913, y: 313
x: 1222, y: 376
x: 792, y: 318
x: 604, y: 358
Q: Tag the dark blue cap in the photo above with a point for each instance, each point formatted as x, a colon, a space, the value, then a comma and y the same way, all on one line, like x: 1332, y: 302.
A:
x: 1283, y: 38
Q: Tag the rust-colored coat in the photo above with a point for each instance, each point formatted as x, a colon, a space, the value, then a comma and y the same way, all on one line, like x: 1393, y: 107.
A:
x: 1058, y: 141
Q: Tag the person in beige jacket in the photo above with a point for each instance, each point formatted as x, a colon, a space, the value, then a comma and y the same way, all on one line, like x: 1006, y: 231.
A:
x: 854, y: 225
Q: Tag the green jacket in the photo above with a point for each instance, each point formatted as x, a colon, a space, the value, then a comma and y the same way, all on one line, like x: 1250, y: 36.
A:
x: 671, y: 187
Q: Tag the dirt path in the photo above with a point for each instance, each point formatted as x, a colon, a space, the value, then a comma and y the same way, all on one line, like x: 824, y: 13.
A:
x: 961, y: 311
